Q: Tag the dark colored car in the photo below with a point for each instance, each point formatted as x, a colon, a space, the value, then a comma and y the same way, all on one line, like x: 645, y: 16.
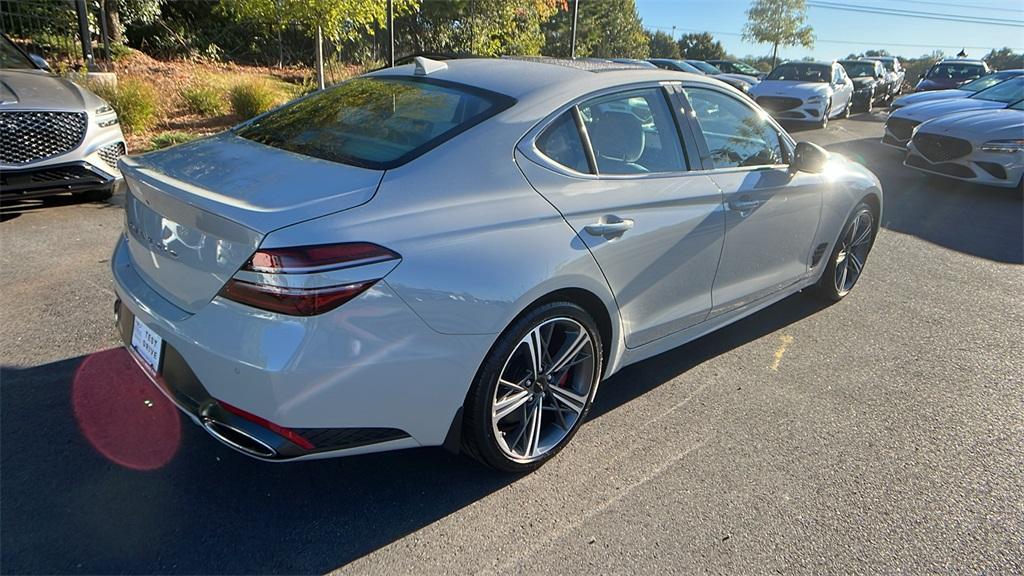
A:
x: 868, y: 82
x: 951, y: 74
x: 698, y: 67
x: 735, y: 67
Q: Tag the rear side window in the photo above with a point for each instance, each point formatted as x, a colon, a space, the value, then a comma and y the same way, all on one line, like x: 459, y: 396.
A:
x: 375, y: 123
x: 633, y: 133
x: 561, y: 142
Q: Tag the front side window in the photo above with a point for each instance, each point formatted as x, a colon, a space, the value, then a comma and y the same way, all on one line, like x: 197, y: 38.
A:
x: 561, y: 142
x: 736, y: 134
x: 374, y: 122
x: 633, y: 133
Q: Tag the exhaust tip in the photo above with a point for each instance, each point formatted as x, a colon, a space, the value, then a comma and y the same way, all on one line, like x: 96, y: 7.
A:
x: 238, y: 439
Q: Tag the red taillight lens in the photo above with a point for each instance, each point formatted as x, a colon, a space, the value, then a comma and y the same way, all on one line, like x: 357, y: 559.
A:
x: 291, y: 435
x: 293, y: 301
x: 252, y: 290
x: 318, y: 258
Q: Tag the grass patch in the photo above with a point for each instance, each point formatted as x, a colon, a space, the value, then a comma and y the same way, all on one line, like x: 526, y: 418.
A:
x: 203, y: 99
x: 166, y: 139
x: 254, y: 96
x: 134, y: 101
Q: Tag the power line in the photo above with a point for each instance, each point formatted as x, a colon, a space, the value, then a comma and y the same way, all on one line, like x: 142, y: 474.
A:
x: 877, y: 44
x: 960, y: 5
x: 918, y: 15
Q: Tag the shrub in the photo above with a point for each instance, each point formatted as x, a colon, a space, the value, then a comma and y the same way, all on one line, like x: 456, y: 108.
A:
x: 204, y: 100
x: 165, y: 139
x: 134, y: 101
x: 253, y: 97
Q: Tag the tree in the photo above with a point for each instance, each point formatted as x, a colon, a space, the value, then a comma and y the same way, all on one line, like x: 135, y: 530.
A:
x: 481, y: 27
x: 345, y: 20
x: 121, y: 13
x: 605, y: 29
x: 702, y: 46
x: 779, y: 23
x: 662, y: 46
x: 1004, y: 58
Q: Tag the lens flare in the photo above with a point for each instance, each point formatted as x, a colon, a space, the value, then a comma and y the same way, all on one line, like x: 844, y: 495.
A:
x: 122, y: 414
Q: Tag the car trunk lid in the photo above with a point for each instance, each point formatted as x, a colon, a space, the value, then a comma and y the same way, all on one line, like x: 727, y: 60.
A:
x: 195, y: 213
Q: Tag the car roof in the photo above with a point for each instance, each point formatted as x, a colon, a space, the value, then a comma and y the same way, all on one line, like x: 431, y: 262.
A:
x: 878, y: 58
x: 961, y: 61
x: 523, y: 77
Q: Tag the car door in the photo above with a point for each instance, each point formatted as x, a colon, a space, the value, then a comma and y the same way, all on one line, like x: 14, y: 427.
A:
x: 771, y: 214
x: 842, y: 88
x: 616, y: 167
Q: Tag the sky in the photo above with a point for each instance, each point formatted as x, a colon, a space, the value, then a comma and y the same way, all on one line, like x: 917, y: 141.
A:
x: 841, y: 32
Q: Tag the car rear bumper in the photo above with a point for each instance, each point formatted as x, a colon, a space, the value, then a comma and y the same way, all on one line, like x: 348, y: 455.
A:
x: 366, y: 377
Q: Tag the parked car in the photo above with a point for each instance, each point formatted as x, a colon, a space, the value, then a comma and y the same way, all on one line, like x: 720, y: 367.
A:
x: 868, y: 77
x: 951, y: 74
x: 963, y: 91
x: 685, y: 66
x: 55, y: 136
x: 900, y: 126
x: 737, y: 67
x: 982, y: 146
x: 633, y: 61
x: 711, y: 70
x: 806, y: 92
x: 895, y: 73
x: 366, y: 269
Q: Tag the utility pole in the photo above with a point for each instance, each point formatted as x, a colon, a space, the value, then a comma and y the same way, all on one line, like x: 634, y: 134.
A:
x: 83, y: 33
x: 320, y: 57
x: 673, y: 33
x: 391, y: 32
x: 575, y: 14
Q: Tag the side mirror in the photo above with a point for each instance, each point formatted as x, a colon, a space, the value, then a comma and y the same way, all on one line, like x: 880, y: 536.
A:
x: 40, y: 61
x: 808, y: 157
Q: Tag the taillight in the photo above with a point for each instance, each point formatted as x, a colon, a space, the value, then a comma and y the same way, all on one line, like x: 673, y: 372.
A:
x: 254, y: 285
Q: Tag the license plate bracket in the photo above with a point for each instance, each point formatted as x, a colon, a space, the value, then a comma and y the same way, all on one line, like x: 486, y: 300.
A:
x: 147, y: 344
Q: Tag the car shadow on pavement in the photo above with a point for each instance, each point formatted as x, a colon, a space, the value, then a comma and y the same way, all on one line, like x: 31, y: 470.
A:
x: 101, y: 474
x: 11, y: 209
x: 977, y: 220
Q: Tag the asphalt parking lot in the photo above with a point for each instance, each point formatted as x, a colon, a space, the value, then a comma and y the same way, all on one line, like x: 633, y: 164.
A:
x: 881, y: 434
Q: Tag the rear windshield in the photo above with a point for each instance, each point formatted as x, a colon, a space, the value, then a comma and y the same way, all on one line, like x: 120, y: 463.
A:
x: 798, y: 72
x: 375, y: 122
x: 859, y: 69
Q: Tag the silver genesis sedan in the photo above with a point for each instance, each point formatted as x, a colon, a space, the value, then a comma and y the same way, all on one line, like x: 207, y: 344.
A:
x: 457, y: 253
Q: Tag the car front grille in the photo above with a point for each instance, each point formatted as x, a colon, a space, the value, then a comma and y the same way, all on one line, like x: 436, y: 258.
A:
x: 778, y: 103
x: 63, y: 178
x: 29, y: 136
x: 901, y: 128
x: 111, y: 153
x: 949, y: 169
x: 939, y: 148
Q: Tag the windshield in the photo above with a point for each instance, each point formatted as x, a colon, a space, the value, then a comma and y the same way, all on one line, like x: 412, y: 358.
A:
x: 704, y: 67
x: 799, y: 72
x: 746, y: 69
x: 375, y: 122
x: 1005, y: 92
x: 955, y: 71
x: 12, y: 58
x: 985, y: 82
x: 856, y: 68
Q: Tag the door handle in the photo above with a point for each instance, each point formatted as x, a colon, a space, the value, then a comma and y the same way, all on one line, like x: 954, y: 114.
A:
x: 611, y: 226
x: 743, y: 205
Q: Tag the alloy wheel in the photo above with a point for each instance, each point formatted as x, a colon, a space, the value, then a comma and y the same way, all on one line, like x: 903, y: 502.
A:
x: 856, y: 243
x: 543, y: 389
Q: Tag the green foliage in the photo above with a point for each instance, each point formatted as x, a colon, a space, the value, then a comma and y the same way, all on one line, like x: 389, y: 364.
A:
x: 661, y: 45
x: 134, y: 101
x: 253, y: 97
x: 702, y: 46
x: 339, y: 19
x: 1004, y: 59
x: 779, y: 23
x: 173, y: 138
x: 203, y: 99
x: 605, y: 29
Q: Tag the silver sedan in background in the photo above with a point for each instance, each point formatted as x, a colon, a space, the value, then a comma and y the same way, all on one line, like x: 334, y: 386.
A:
x: 55, y: 136
x: 457, y: 253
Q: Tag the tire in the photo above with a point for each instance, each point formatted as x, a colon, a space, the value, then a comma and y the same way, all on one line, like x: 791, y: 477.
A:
x: 871, y: 103
x: 505, y: 384
x: 97, y: 195
x: 824, y: 117
x: 846, y: 111
x: 860, y: 230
